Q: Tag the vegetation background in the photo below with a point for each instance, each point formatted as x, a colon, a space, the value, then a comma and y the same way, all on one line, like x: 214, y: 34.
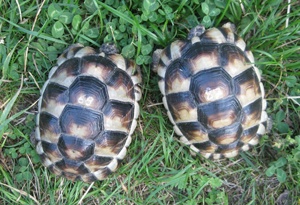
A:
x: 157, y: 168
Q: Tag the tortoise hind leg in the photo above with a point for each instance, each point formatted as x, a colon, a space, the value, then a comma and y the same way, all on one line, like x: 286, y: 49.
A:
x: 196, y: 32
x: 109, y: 48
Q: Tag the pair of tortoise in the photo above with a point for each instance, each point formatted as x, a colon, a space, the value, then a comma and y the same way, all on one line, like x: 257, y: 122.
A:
x: 89, y: 107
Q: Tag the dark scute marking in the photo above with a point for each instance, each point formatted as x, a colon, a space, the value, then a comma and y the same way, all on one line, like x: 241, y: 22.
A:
x: 113, y: 140
x: 267, y: 124
x: 98, y: 60
x: 178, y: 69
x: 71, y: 176
x: 119, y: 161
x: 235, y: 146
x: 55, y: 92
x: 75, y: 148
x: 88, y: 86
x: 48, y: 123
x: 207, y: 39
x: 179, y: 66
x: 81, y: 117
x: 187, y: 45
x: 106, y: 171
x: 211, y: 79
x: 184, y: 46
x: 71, y: 66
x: 204, y: 146
x: 119, y: 109
x: 213, y: 36
x: 49, y: 147
x: 100, y: 161
x: 71, y: 51
x: 179, y: 101
x: 76, y: 49
x: 168, y: 51
x: 230, y: 52
x: 248, y: 77
x: 199, y: 49
x: 95, y: 162
x: 226, y: 135
x: 129, y: 64
x: 192, y: 130
x: 236, y: 37
x: 72, y: 167
x: 224, y: 109
x: 55, y: 170
x: 248, y: 134
x: 161, y: 63
x: 159, y: 78
x: 120, y: 78
x: 223, y: 31
x: 89, y: 178
x: 51, y: 150
x: 254, y: 109
x: 43, y: 157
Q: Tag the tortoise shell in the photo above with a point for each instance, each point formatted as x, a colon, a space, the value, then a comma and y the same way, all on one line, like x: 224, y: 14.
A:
x: 212, y: 92
x: 87, y: 113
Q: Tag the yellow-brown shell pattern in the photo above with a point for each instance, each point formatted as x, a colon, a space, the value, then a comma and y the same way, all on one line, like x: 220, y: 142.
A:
x: 213, y: 93
x: 88, y: 111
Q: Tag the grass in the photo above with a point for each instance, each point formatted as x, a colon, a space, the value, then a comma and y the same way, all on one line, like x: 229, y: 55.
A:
x: 157, y: 168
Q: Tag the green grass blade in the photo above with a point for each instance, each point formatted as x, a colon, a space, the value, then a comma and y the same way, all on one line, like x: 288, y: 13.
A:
x: 7, y: 109
x: 129, y: 20
x: 34, y: 33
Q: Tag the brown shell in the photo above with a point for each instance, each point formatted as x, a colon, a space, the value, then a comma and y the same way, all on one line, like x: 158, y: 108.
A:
x: 87, y: 113
x: 213, y: 92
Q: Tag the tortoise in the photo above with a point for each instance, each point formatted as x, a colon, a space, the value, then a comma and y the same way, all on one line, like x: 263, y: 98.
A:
x: 212, y: 92
x: 87, y: 112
